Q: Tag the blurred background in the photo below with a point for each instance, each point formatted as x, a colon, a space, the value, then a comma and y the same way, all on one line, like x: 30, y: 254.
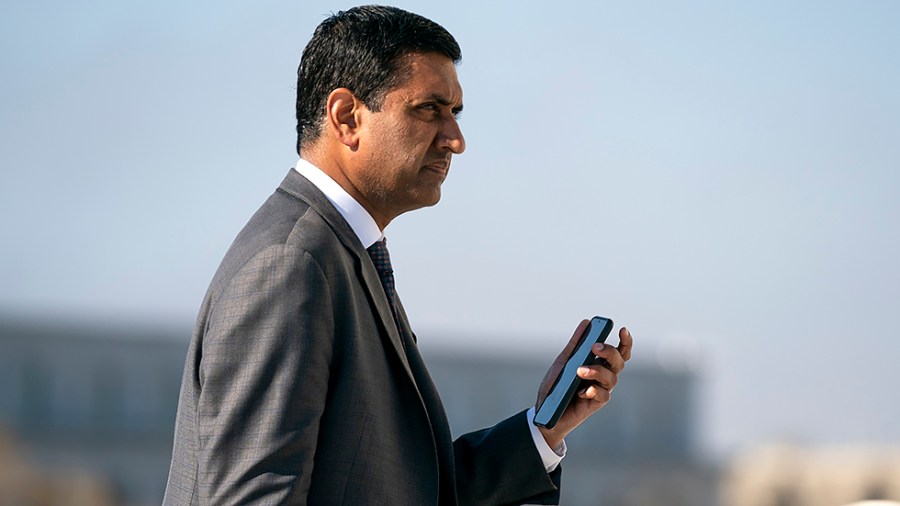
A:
x: 720, y: 177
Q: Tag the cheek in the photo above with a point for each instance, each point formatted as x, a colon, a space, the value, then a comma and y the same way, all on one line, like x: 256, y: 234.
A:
x: 399, y: 147
x: 411, y: 134
x: 404, y: 149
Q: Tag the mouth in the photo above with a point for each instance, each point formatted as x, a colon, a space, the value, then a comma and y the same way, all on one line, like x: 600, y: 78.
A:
x: 441, y: 167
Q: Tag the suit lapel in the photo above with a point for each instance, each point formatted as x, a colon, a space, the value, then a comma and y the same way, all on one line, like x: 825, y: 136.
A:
x: 437, y: 417
x: 300, y: 187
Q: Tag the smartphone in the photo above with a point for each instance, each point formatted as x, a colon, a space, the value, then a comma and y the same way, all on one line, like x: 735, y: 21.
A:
x: 568, y: 382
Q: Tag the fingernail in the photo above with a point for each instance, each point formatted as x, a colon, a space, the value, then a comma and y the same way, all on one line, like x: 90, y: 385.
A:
x: 599, y: 347
x: 583, y: 370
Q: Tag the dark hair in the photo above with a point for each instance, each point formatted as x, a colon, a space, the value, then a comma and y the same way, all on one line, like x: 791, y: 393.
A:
x: 362, y: 49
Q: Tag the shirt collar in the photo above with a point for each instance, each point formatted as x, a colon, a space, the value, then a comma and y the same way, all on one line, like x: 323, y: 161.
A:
x: 353, y: 212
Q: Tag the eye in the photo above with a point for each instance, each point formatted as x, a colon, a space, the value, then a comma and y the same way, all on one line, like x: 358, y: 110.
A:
x: 439, y: 109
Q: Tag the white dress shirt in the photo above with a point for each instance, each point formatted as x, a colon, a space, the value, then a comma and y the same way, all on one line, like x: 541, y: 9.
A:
x: 368, y: 233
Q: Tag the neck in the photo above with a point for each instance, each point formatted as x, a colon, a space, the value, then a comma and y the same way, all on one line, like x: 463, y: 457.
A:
x: 334, y: 167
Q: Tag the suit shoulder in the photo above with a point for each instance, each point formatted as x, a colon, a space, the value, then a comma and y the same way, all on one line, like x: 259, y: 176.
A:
x: 283, y: 223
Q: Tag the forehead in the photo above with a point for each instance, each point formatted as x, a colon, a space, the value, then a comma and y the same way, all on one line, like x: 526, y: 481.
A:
x: 428, y: 74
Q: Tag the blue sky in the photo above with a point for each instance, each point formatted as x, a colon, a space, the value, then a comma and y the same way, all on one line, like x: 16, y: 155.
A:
x: 721, y: 177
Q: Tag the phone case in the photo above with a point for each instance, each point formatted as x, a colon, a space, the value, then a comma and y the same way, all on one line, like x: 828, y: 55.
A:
x: 567, y: 382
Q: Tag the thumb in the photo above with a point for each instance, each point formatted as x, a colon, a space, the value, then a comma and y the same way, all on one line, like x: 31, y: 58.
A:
x: 560, y: 362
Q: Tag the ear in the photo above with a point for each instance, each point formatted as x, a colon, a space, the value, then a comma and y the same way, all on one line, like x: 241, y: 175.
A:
x: 343, y: 112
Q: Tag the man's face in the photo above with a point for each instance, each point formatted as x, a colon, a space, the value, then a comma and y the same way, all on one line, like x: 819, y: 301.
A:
x: 404, y: 149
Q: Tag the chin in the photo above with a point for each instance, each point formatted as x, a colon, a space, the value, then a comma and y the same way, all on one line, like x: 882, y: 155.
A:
x: 436, y: 197
x: 427, y: 200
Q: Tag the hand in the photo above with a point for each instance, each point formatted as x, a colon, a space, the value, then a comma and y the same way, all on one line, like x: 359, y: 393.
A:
x: 599, y: 381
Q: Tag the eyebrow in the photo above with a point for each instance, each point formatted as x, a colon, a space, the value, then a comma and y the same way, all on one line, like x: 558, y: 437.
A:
x: 442, y: 100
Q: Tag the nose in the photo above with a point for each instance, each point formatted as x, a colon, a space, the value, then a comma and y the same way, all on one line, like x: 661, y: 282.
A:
x: 451, y: 137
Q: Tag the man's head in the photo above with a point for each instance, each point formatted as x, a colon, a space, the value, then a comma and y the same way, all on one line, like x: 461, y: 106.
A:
x: 377, y: 105
x: 363, y: 50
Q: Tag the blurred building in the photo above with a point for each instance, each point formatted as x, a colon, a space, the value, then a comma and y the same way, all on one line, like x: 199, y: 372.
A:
x: 794, y: 475
x: 91, y: 400
x: 100, y: 401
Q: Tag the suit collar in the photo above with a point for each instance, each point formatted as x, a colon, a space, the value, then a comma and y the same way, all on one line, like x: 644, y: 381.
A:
x: 302, y: 188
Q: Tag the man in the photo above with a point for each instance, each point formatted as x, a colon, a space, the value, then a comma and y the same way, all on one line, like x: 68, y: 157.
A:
x: 303, y: 383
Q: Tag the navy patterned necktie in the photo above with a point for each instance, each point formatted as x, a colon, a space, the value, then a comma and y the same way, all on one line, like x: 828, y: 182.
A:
x: 382, y: 260
x: 379, y: 254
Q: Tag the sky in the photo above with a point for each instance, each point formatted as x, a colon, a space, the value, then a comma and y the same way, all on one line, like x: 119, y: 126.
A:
x: 721, y: 177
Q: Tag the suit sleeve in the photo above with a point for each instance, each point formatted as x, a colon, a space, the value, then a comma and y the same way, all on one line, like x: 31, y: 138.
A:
x: 264, y: 372
x: 501, y: 465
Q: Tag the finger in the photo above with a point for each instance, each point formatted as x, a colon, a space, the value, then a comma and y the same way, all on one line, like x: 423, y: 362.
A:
x: 575, y: 340
x: 595, y: 393
x: 625, y: 343
x: 614, y: 360
x: 560, y: 361
x: 598, y: 374
x: 573, y: 343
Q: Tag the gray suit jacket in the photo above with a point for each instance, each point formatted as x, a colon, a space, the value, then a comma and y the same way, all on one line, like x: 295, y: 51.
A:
x: 299, y: 389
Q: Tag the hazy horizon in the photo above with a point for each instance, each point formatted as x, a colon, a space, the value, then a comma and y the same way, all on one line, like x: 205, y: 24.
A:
x: 722, y: 179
